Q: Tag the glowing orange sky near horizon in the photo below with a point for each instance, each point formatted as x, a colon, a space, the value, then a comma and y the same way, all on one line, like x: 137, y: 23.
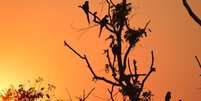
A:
x: 32, y: 34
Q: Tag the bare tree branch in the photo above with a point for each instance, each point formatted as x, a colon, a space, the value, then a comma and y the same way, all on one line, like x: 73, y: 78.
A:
x: 129, y: 67
x: 126, y: 54
x: 191, y: 13
x: 97, y: 77
x: 65, y: 44
x: 135, y: 67
x: 114, y: 74
x: 89, y: 93
x: 112, y: 3
x: 152, y: 69
x: 109, y: 11
x: 89, y: 66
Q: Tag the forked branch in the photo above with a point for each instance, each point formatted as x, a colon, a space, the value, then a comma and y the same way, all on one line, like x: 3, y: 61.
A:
x: 111, y: 92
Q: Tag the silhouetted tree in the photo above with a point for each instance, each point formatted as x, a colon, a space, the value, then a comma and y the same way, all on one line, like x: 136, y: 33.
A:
x: 125, y: 77
x: 191, y: 13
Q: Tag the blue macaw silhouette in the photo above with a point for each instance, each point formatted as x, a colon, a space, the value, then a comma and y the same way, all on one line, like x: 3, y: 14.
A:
x: 85, y: 8
x: 103, y: 23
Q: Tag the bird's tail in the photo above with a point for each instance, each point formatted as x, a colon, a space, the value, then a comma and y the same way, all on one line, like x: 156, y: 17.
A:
x: 88, y: 18
x: 100, y: 31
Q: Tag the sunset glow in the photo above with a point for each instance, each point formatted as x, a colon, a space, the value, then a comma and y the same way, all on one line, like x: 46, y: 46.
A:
x: 31, y: 45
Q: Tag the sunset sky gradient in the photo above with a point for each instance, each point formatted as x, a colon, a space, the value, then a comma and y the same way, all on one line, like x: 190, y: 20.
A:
x: 31, y: 45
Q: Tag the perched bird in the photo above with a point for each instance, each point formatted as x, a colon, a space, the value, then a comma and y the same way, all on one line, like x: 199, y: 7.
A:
x: 103, y: 23
x: 85, y: 8
x: 168, y: 96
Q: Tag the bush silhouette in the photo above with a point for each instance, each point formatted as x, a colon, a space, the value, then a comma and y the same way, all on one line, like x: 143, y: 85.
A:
x: 34, y: 91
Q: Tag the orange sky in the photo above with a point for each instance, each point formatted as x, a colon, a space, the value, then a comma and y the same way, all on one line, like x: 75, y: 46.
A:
x: 31, y: 45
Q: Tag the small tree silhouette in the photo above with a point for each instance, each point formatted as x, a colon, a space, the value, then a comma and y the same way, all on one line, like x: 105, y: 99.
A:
x: 35, y: 91
x: 126, y: 78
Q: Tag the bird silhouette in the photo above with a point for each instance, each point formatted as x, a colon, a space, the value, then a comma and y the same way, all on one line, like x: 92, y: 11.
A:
x: 85, y: 8
x: 103, y: 23
x: 168, y: 96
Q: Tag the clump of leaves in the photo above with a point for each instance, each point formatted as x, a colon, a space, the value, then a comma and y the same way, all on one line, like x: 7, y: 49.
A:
x: 147, y: 95
x: 33, y: 91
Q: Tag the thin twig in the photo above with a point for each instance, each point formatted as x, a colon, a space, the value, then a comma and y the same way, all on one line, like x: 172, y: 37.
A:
x: 65, y: 43
x: 114, y: 74
x: 135, y: 70
x: 126, y: 54
x: 89, y: 93
x: 130, y: 70
x: 70, y: 98
x: 112, y: 3
x: 111, y: 92
x: 109, y: 10
x: 198, y: 61
x: 135, y: 66
x: 152, y: 69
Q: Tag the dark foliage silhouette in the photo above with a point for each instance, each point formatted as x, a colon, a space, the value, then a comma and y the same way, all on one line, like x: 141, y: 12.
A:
x: 125, y: 75
x: 33, y: 92
x: 191, y: 13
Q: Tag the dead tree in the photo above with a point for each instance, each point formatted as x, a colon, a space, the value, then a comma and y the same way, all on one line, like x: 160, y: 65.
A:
x: 191, y: 13
x: 126, y: 77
